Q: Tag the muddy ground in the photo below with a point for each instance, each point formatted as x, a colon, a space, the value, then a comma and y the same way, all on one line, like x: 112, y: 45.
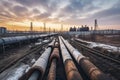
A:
x: 113, y: 40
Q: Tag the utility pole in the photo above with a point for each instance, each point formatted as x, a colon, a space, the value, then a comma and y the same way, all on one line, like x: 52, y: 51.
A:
x: 31, y: 27
x: 95, y: 29
x: 96, y: 25
x: 44, y: 27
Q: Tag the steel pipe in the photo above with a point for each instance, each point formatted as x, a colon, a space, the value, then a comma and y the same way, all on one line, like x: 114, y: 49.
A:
x: 89, y: 68
x: 70, y: 68
x: 55, y: 55
x: 52, y: 71
x: 38, y: 69
x: 54, y: 58
x: 52, y: 43
x: 40, y: 64
x: 35, y: 75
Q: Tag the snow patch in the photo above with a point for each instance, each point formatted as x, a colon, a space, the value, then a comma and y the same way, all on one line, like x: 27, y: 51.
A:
x: 27, y: 69
x: 105, y: 46
x: 46, y: 41
x: 16, y: 73
x: 33, y: 61
x: 38, y: 43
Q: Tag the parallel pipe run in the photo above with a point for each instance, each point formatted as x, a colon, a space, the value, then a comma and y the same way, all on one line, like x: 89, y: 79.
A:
x: 38, y: 69
x: 54, y: 58
x: 89, y: 68
x: 52, y: 43
x: 70, y: 68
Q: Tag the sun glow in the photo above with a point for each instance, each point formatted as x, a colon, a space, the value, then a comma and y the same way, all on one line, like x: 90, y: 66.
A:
x: 37, y: 26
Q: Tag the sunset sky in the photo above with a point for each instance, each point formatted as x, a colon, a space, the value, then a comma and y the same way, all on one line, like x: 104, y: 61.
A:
x: 17, y: 14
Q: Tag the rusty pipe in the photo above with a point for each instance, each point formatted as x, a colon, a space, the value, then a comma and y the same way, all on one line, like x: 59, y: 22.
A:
x: 70, y: 68
x: 55, y: 54
x: 52, y: 71
x: 53, y: 59
x: 89, y: 68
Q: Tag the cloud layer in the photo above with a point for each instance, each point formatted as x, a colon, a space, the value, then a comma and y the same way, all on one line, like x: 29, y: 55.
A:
x: 61, y: 11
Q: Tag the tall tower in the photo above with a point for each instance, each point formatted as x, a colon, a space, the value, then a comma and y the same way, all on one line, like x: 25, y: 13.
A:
x: 31, y: 26
x: 94, y: 32
x: 44, y: 27
x: 96, y: 25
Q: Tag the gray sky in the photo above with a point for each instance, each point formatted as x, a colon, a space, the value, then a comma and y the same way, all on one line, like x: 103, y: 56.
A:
x: 73, y: 12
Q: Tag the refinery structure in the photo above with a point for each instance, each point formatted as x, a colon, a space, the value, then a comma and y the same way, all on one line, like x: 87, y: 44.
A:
x: 59, y: 40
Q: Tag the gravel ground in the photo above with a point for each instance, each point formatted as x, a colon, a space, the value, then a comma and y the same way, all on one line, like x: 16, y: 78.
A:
x: 19, y: 68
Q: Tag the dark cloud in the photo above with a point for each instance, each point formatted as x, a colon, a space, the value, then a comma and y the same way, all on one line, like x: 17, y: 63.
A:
x: 6, y: 4
x: 42, y: 16
x: 19, y: 11
x: 79, y: 6
x: 48, y: 5
x: 107, y: 13
x: 36, y: 11
x: 32, y: 3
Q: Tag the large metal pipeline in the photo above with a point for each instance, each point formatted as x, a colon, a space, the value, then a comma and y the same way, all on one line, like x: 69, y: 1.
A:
x: 54, y: 58
x: 70, y: 68
x: 89, y: 68
x: 38, y: 69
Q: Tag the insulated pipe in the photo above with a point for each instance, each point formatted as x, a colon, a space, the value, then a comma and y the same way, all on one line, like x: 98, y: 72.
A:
x: 52, y: 43
x: 70, y: 68
x: 35, y: 75
x: 89, y: 68
x: 38, y: 69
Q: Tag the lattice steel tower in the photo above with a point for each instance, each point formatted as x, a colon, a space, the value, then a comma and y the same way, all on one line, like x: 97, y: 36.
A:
x: 44, y: 27
x: 31, y: 26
